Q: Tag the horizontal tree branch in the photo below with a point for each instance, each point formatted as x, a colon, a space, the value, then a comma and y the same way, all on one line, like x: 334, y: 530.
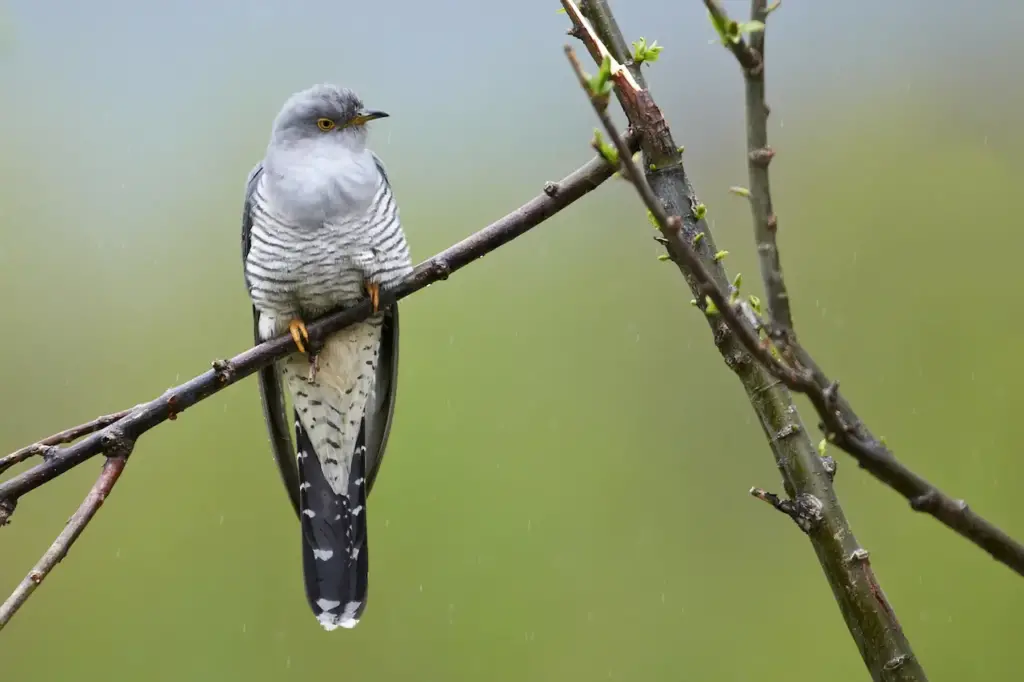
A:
x: 841, y: 425
x: 46, y: 446
x: 115, y: 435
x: 66, y: 436
x: 555, y: 197
x: 759, y: 155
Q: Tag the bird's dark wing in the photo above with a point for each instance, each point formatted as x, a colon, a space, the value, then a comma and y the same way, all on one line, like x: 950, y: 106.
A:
x: 380, y: 166
x: 268, y: 378
x: 381, y: 409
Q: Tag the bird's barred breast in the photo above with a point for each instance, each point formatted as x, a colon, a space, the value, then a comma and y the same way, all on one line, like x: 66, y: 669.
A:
x: 316, y: 268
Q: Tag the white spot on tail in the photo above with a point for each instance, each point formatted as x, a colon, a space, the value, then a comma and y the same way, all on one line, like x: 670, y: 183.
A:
x: 304, y: 486
x: 302, y: 454
x: 355, y: 552
x: 359, y: 481
x: 347, y: 619
x: 327, y: 604
x: 309, y: 512
x: 323, y: 554
x: 348, y: 616
x: 355, y: 512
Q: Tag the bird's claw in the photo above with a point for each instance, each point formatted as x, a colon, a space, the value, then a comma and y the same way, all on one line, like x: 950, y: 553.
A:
x: 373, y: 289
x: 300, y: 335
x: 297, y: 329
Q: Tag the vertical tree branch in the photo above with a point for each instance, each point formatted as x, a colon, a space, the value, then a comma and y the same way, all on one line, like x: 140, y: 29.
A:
x: 841, y: 424
x: 759, y: 155
x: 869, y: 618
x: 600, y: 16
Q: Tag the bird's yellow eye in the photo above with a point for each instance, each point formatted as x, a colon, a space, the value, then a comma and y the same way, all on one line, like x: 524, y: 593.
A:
x: 325, y: 124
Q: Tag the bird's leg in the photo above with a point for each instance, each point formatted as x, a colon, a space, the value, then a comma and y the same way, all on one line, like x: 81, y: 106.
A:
x: 373, y: 289
x: 314, y: 366
x: 297, y: 328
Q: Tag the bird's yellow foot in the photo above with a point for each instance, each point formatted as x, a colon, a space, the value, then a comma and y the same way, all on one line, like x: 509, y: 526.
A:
x: 373, y: 289
x: 299, y: 334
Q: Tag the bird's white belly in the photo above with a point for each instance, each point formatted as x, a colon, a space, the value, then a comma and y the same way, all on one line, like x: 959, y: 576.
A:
x: 331, y: 407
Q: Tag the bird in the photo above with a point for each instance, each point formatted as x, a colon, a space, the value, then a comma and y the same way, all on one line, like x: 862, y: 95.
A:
x: 321, y: 230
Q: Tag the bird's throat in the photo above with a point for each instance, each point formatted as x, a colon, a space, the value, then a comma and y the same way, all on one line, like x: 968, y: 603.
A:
x: 321, y: 183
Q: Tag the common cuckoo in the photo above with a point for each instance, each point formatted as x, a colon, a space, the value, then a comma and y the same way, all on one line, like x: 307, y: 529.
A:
x: 321, y: 230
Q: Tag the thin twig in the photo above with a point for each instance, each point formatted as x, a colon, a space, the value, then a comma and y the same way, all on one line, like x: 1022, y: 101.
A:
x: 672, y: 203
x: 66, y: 436
x: 750, y: 58
x: 841, y: 424
x: 112, y: 469
x: 805, y: 510
x: 554, y: 197
x: 759, y: 156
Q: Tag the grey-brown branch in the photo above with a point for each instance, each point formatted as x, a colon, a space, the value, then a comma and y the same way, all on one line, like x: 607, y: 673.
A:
x: 751, y: 59
x: 112, y: 469
x: 839, y: 422
x: 671, y: 201
x: 46, y: 445
x: 115, y: 435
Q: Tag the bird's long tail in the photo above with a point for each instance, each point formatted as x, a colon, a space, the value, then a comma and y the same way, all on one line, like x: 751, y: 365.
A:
x: 335, y: 560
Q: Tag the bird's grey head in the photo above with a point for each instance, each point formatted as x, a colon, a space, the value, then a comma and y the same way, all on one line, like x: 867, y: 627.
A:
x: 317, y: 163
x: 324, y: 115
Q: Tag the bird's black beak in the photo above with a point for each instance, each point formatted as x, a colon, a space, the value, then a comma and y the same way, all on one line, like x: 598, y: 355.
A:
x: 367, y: 116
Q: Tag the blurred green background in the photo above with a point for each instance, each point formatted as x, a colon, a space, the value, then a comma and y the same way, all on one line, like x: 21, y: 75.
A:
x: 564, y: 495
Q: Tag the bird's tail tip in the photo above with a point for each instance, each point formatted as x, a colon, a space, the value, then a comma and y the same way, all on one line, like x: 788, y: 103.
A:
x: 348, y: 618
